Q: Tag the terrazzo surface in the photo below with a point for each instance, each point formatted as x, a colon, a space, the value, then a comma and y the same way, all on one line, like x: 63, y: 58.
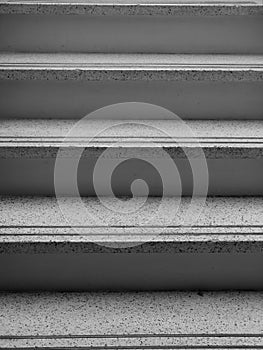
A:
x: 137, y: 320
x: 130, y: 67
x: 40, y: 224
x: 217, y: 139
x: 131, y: 8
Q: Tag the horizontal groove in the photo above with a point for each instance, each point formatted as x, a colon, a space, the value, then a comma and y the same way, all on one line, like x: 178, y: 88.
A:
x: 129, y: 66
x: 122, y: 67
x: 210, y: 233
x: 186, y: 335
x: 217, y: 138
x: 129, y: 226
x: 164, y: 316
x: 150, y: 347
x: 103, y: 143
x: 143, y: 347
x: 76, y: 138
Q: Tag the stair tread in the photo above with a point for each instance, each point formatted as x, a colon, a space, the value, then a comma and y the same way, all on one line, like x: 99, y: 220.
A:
x: 218, y: 139
x: 204, y: 130
x: 132, y: 2
x: 98, y: 67
x: 224, y: 224
x: 131, y: 7
x: 19, y: 212
x: 155, y: 319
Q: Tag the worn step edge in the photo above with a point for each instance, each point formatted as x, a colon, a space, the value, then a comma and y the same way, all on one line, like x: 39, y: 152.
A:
x: 126, y: 67
x: 137, y: 320
x: 131, y: 8
x: 134, y: 342
x: 37, y: 224
x: 218, y: 139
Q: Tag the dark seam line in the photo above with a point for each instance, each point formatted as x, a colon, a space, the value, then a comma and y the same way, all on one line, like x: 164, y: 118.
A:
x: 56, y: 236
x: 7, y: 234
x: 144, y: 136
x: 131, y: 4
x: 76, y: 3
x: 145, y: 347
x: 124, y: 65
x: 132, y: 136
x: 129, y: 226
x: 172, y: 335
x: 79, y: 139
x: 141, y: 141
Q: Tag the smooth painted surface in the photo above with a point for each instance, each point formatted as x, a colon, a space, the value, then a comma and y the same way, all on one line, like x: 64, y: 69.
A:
x: 73, y: 272
x: 227, y: 177
x: 155, y: 34
x: 75, y: 99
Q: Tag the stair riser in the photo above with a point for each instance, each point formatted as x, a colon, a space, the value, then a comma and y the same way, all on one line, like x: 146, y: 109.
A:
x: 149, y: 34
x: 73, y: 272
x: 227, y: 177
x: 75, y: 99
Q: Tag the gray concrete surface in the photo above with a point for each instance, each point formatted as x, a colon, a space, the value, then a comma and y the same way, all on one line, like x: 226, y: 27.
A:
x: 41, y: 250
x: 225, y: 136
x: 150, y: 67
x: 71, y: 86
x: 232, y: 151
x: 137, y: 320
x: 126, y: 7
x: 30, y: 138
x: 36, y: 225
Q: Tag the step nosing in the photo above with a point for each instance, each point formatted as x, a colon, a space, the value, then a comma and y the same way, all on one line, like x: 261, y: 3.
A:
x: 141, y: 335
x: 130, y: 67
x: 130, y: 8
x: 211, y: 234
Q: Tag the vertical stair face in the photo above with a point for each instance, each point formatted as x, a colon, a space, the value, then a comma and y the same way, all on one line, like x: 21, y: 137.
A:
x: 128, y: 27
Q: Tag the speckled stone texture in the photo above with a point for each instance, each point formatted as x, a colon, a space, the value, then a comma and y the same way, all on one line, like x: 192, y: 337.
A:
x: 137, y: 320
x: 131, y: 8
x: 131, y: 67
x: 218, y: 139
x: 36, y: 224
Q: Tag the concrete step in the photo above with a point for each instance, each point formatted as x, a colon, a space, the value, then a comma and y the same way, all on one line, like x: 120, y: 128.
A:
x: 171, y: 320
x: 220, y: 157
x: 50, y: 244
x: 73, y: 85
x: 128, y: 26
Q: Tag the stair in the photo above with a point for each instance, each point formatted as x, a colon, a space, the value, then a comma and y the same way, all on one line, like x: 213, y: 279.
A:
x: 232, y: 151
x: 73, y: 85
x: 43, y: 246
x: 168, y: 254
